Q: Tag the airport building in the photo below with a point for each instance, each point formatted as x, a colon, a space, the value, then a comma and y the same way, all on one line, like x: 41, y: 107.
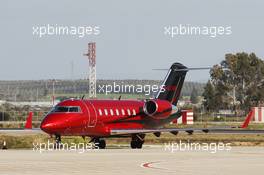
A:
x: 186, y: 118
x: 258, y: 114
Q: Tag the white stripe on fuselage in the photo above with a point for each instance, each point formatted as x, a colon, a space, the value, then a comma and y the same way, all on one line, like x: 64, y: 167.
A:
x: 163, y: 83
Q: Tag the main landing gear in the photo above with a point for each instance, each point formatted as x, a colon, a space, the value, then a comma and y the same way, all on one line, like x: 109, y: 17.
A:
x: 100, y: 143
x: 137, y: 141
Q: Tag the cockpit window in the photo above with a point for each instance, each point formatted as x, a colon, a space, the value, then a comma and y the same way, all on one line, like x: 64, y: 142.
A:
x: 66, y: 109
x: 74, y: 109
x: 61, y: 109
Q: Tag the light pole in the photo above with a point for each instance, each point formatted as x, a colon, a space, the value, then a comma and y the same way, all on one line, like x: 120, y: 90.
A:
x: 53, y: 92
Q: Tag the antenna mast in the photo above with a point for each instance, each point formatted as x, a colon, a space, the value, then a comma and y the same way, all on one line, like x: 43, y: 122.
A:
x: 92, y: 69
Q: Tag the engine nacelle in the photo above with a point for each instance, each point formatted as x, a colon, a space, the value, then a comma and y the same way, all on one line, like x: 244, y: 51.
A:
x: 158, y: 109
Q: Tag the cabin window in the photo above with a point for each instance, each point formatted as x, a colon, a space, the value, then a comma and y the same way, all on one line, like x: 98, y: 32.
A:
x: 106, y: 113
x: 117, y: 112
x: 123, y: 112
x: 134, y: 112
x: 100, y: 112
x: 111, y: 112
x: 128, y: 112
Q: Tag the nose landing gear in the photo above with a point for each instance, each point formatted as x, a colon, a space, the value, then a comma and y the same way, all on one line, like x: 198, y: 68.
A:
x: 57, y: 143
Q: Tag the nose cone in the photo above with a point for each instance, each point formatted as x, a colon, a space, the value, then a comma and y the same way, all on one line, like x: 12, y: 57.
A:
x: 45, y: 126
x: 50, y: 125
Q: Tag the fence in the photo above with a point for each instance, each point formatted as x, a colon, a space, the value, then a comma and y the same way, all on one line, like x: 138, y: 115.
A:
x: 21, y: 115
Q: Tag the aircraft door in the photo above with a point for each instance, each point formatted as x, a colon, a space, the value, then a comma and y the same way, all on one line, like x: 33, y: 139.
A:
x: 92, y: 114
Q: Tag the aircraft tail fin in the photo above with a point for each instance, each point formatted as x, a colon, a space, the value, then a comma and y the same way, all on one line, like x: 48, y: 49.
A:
x: 28, y: 124
x: 172, y: 84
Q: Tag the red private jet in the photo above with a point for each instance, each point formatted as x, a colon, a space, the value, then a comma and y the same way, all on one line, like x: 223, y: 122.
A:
x: 99, y: 119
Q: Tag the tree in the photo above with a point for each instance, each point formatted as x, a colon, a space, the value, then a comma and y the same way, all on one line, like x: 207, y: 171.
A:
x: 238, y: 80
x: 194, y: 96
x: 209, y: 97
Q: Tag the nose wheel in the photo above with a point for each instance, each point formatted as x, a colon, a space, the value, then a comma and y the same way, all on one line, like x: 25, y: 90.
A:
x: 57, y: 144
x: 137, y: 141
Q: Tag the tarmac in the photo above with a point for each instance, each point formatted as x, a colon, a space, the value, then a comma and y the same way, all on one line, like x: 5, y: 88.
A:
x: 149, y: 160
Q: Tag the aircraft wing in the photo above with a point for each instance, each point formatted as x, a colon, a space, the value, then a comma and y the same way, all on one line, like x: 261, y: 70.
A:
x: 188, y: 130
x: 228, y: 130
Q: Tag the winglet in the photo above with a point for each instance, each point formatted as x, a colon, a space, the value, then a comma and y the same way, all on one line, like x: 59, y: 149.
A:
x: 247, y: 120
x: 29, y: 121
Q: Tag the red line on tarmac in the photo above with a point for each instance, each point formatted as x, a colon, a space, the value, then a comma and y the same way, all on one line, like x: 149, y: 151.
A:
x: 149, y: 165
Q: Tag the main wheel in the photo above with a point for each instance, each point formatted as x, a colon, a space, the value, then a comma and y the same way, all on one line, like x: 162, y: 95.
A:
x: 102, y: 144
x: 137, y: 141
x: 140, y: 144
x: 134, y: 144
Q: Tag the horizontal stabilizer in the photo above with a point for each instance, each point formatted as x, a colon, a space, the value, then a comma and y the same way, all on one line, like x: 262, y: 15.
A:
x: 187, y: 69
